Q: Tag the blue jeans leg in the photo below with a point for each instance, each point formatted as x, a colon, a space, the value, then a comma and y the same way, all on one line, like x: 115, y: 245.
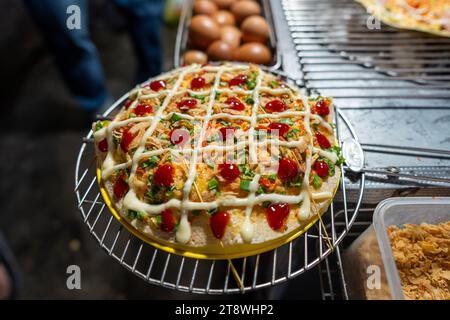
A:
x: 144, y: 19
x: 73, y: 51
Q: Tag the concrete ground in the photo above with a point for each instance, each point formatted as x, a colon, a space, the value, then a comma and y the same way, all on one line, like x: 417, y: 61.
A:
x: 40, y: 136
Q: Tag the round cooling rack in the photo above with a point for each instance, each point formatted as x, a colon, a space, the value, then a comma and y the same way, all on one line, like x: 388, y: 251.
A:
x: 215, y: 276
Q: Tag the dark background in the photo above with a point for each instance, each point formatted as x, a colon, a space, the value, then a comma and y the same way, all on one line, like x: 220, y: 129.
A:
x: 41, y: 131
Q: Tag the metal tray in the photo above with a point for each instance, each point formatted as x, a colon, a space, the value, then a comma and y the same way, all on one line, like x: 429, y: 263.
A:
x: 181, y: 44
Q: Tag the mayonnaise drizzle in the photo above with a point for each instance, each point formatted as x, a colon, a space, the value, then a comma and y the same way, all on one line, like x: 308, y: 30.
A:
x: 183, y: 233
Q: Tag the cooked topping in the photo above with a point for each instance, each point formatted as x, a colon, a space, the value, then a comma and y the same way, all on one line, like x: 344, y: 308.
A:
x: 187, y: 104
x: 157, y: 85
x: 127, y: 138
x: 238, y: 80
x: 167, y: 220
x: 287, y: 169
x: 322, y: 141
x: 277, y: 214
x: 128, y: 103
x: 422, y: 255
x: 227, y: 133
x: 317, y: 182
x: 279, y: 128
x: 229, y: 171
x: 164, y: 175
x: 103, y: 145
x: 120, y: 186
x: 218, y: 223
x: 198, y: 83
x: 143, y: 109
x: 321, y: 108
x: 321, y: 168
x: 179, y: 136
x: 235, y: 104
x: 275, y: 105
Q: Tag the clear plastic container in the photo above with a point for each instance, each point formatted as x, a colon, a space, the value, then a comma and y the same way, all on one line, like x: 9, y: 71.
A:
x: 372, y: 247
x: 398, y: 211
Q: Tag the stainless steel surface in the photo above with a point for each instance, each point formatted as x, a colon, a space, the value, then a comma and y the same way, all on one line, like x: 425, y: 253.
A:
x: 395, y: 172
x: 182, y: 39
x: 209, y: 276
x: 393, y: 85
x: 424, y: 152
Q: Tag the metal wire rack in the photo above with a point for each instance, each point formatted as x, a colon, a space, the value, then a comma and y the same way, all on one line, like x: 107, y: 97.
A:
x: 212, y: 276
x: 343, y: 56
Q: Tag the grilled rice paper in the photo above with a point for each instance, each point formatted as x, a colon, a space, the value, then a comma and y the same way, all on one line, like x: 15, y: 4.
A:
x: 218, y: 159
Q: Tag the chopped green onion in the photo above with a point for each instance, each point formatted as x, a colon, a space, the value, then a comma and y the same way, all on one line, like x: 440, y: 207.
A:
x: 101, y: 124
x: 245, y: 185
x: 265, y: 204
x: 251, y: 84
x: 338, y: 151
x: 274, y: 84
x: 210, y: 164
x: 141, y: 215
x: 249, y: 100
x: 175, y: 117
x: 213, y: 184
x: 132, y: 214
x: 260, y: 190
x: 317, y: 182
x: 330, y: 166
x: 246, y: 172
x: 292, y: 133
x: 151, y: 162
x: 197, y: 96
x: 287, y: 121
x: 158, y: 219
x: 217, y: 96
x: 131, y: 115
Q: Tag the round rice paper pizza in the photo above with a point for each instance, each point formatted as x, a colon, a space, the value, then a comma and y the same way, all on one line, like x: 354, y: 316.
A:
x: 218, y: 161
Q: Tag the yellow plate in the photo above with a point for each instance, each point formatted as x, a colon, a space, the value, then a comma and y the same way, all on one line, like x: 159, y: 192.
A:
x: 210, y: 252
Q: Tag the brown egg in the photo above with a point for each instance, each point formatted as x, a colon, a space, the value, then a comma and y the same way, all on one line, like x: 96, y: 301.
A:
x: 224, y: 18
x: 223, y: 4
x: 204, y: 7
x: 195, y: 56
x: 220, y: 50
x: 244, y: 9
x: 255, y: 29
x: 232, y: 35
x: 203, y: 30
x: 253, y: 52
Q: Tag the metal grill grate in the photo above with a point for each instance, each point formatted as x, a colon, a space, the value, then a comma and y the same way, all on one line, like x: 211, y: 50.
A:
x: 212, y: 276
x: 342, y: 57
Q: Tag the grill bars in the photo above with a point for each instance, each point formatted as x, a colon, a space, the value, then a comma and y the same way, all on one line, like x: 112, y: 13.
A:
x: 341, y: 56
